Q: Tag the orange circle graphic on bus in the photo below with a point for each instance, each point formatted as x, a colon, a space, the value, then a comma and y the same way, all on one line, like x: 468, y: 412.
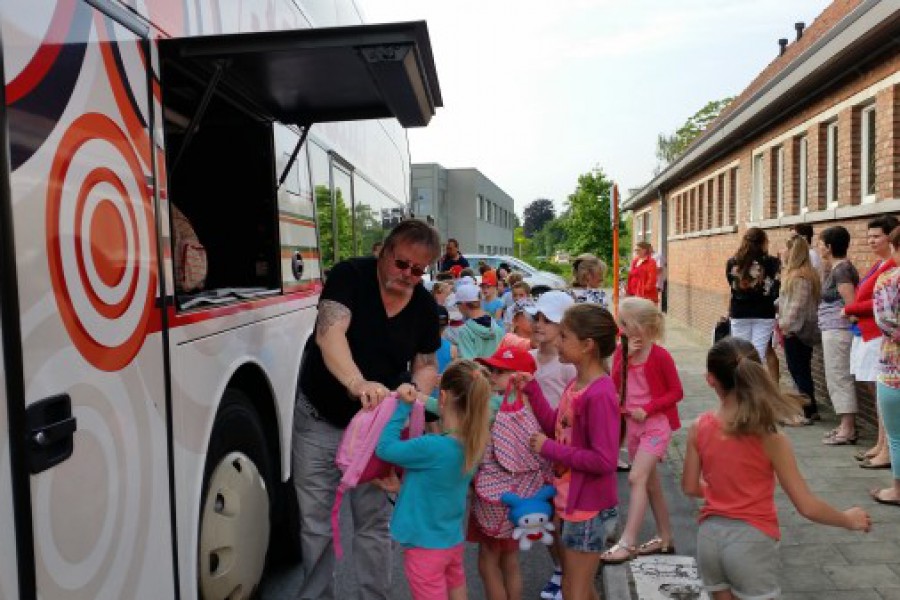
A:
x: 100, y: 242
x: 108, y: 250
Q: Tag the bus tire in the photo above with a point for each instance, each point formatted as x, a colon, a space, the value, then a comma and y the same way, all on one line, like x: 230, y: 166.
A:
x: 236, y: 503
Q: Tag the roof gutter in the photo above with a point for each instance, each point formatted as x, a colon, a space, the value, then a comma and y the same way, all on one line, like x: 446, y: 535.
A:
x: 858, y: 38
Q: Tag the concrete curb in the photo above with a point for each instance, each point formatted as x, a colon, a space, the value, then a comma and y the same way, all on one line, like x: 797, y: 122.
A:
x: 615, y: 582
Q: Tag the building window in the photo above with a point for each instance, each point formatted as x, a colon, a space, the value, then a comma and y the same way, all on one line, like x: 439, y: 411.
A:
x: 779, y: 181
x: 803, y: 194
x: 831, y: 165
x: 732, y: 196
x: 710, y: 205
x: 867, y: 160
x: 757, y: 202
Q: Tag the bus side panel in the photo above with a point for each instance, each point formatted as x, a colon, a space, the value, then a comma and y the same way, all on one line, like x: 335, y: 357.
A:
x: 82, y: 193
x: 8, y: 574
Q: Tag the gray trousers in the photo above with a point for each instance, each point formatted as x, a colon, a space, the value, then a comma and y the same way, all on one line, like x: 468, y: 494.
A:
x: 316, y: 479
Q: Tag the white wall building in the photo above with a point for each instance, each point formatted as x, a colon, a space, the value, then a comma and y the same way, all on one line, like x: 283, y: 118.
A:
x: 466, y: 205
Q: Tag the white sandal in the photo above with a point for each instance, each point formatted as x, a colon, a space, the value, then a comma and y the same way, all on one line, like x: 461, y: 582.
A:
x: 608, y: 558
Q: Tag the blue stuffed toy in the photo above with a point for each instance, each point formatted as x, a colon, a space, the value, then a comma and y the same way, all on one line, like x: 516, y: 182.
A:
x: 531, y: 516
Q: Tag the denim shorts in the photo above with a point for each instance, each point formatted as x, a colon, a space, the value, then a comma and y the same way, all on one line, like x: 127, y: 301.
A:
x: 590, y: 535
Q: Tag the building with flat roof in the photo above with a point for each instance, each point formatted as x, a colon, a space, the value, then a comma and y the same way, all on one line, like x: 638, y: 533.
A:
x: 466, y: 205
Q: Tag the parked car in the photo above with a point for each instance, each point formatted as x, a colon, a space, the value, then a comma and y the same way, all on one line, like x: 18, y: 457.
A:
x: 540, y: 281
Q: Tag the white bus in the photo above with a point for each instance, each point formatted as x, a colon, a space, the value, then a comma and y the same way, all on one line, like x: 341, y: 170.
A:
x: 176, y: 177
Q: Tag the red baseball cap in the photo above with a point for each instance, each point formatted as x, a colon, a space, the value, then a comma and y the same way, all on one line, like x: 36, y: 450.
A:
x: 489, y: 278
x: 510, y: 359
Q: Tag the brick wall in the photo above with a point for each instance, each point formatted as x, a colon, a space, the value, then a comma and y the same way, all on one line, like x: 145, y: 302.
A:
x: 698, y: 292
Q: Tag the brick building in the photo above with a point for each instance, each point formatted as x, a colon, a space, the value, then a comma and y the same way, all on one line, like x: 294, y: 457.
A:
x: 814, y: 138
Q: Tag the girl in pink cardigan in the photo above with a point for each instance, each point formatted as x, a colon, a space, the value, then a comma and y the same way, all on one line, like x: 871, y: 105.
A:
x: 652, y: 388
x: 581, y: 438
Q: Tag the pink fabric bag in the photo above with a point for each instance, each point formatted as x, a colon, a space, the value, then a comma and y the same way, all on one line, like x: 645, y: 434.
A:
x: 356, y: 456
x: 509, y: 465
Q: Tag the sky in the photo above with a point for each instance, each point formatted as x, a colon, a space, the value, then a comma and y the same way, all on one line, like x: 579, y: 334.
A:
x: 537, y: 93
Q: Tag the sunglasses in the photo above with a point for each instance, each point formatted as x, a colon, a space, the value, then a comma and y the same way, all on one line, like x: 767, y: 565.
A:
x: 405, y: 265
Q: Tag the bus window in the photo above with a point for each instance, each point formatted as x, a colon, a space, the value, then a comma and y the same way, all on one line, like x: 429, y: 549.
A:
x: 342, y: 198
x: 374, y: 216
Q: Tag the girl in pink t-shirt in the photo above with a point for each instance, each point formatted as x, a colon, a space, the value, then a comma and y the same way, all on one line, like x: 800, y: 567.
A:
x: 733, y: 456
x: 652, y: 389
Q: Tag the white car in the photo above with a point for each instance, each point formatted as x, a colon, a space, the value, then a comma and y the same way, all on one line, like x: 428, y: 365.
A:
x: 539, y: 281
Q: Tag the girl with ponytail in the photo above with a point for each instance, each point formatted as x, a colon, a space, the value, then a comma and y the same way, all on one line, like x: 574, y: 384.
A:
x: 734, y: 455
x: 429, y: 515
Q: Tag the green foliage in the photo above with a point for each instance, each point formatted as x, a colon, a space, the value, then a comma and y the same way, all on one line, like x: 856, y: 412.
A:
x: 537, y: 214
x: 368, y: 228
x: 587, y: 226
x: 522, y: 244
x: 326, y: 227
x: 548, y: 239
x: 670, y: 147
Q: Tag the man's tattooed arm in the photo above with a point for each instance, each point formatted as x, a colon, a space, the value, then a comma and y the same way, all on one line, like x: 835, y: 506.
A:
x: 331, y: 313
x: 331, y: 336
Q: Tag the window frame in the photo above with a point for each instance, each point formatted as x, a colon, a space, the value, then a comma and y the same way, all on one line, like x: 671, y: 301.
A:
x: 757, y: 196
x: 803, y: 174
x: 778, y: 160
x: 831, y: 164
x: 867, y: 147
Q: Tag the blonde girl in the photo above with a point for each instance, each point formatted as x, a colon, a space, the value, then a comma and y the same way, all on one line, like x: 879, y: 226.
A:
x: 798, y: 304
x: 733, y: 456
x: 581, y: 438
x: 652, y: 389
x: 437, y: 472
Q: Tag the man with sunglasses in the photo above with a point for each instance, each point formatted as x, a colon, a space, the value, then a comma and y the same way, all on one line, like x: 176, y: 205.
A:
x: 377, y: 331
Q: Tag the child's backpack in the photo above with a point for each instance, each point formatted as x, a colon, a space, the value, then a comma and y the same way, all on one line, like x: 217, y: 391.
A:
x: 509, y: 465
x: 356, y: 453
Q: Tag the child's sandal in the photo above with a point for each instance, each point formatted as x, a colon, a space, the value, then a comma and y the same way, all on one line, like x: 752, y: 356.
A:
x: 618, y: 554
x: 655, y: 546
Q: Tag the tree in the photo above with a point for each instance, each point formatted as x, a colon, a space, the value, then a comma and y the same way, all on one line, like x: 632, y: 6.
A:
x: 537, y: 214
x: 326, y: 227
x: 549, y: 238
x: 587, y: 225
x: 522, y: 243
x: 670, y: 147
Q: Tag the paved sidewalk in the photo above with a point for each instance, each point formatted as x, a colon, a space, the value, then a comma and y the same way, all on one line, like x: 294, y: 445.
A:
x: 817, y: 561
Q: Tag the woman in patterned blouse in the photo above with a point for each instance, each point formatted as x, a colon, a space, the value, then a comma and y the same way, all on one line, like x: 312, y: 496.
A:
x: 887, y: 315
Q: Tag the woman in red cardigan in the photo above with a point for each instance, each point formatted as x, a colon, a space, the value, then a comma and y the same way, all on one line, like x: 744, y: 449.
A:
x: 652, y: 388
x: 642, y: 276
x: 865, y: 353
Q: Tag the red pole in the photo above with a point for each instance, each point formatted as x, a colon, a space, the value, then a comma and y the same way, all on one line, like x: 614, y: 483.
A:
x: 614, y: 199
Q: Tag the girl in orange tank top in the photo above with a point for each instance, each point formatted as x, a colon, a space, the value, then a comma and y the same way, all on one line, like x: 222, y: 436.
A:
x: 733, y: 457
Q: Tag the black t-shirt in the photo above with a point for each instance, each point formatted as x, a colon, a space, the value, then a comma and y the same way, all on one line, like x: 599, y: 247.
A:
x: 448, y: 263
x: 382, y: 348
x: 753, y: 293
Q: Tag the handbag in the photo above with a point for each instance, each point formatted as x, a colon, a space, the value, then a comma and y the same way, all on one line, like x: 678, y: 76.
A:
x: 509, y: 465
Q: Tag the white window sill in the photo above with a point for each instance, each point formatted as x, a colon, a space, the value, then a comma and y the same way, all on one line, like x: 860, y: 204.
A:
x: 705, y: 233
x: 832, y: 214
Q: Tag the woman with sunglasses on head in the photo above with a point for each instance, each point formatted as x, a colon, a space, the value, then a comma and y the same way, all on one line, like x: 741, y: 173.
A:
x: 376, y: 332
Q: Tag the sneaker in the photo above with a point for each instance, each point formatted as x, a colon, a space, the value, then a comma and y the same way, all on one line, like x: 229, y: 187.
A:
x: 551, y: 591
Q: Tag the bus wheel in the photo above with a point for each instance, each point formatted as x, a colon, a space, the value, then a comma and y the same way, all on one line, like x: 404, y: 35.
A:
x: 235, y: 508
